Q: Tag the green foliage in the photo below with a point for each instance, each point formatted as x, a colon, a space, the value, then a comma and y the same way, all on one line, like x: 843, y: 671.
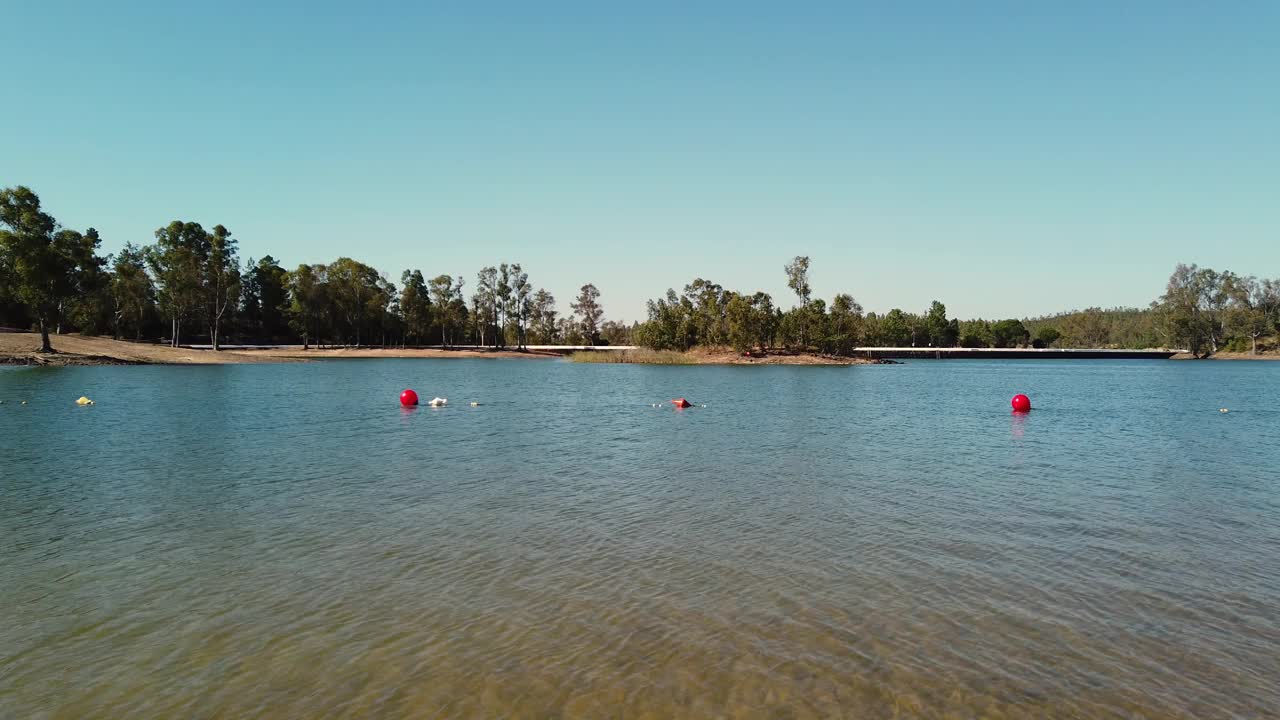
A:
x: 588, y: 313
x: 895, y: 329
x: 54, y: 278
x: 264, y: 302
x: 1046, y: 336
x: 542, y: 318
x: 47, y: 267
x: 450, y: 308
x: 940, y: 331
x: 1009, y: 334
x: 798, y: 277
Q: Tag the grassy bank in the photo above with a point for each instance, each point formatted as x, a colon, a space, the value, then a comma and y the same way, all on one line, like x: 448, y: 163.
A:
x: 638, y: 357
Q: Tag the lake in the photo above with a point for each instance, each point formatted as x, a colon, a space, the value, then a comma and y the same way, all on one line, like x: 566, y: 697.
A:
x: 870, y: 542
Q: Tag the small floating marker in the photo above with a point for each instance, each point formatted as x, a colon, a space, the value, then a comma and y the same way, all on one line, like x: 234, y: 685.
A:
x: 84, y: 401
x: 408, y: 398
x: 1021, y: 403
x: 475, y: 404
x: 438, y: 402
x: 24, y: 402
x: 1222, y: 410
x: 681, y: 403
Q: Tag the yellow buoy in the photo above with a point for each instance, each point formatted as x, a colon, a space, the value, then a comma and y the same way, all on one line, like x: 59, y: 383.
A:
x: 84, y: 401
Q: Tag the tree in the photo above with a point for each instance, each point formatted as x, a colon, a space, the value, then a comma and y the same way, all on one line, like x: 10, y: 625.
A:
x: 542, y: 317
x: 976, y: 334
x: 446, y: 294
x: 485, y: 302
x: 1186, y: 308
x: 1254, y: 307
x: 588, y: 310
x: 520, y: 303
x: 798, y: 277
x: 1009, y: 333
x: 356, y: 292
x: 708, y: 301
x: 797, y: 272
x: 176, y: 260
x: 219, y: 280
x: 265, y: 298
x: 940, y: 332
x: 88, y: 309
x: 415, y: 305
x: 844, y: 325
x: 895, y: 329
x: 739, y: 315
x: 502, y: 294
x: 45, y: 264
x: 308, y: 294
x: 132, y: 292
x: 1046, y: 336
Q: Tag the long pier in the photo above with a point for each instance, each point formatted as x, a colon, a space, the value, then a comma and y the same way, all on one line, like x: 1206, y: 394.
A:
x: 919, y: 353
x: 1013, y: 353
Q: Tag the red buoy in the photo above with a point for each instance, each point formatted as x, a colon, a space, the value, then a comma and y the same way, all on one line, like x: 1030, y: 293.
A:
x: 1021, y: 403
x: 408, y: 398
x: 681, y: 403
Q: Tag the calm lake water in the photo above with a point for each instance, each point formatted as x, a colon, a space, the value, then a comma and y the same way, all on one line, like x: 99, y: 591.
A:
x: 869, y: 542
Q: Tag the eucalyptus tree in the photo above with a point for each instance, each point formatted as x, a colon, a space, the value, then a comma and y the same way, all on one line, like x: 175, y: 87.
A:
x: 415, y: 305
x: 176, y: 260
x: 520, y: 305
x: 308, y: 302
x: 446, y: 295
x: 485, y: 302
x: 133, y: 295
x: 265, y: 298
x: 45, y: 264
x: 542, y: 317
x: 219, y: 280
x: 1255, y: 306
x: 589, y: 313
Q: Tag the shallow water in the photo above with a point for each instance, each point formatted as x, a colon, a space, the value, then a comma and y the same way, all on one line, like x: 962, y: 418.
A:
x: 871, y: 542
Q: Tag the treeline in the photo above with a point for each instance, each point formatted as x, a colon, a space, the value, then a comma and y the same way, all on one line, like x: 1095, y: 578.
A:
x: 190, y: 285
x: 706, y: 314
x: 1202, y: 310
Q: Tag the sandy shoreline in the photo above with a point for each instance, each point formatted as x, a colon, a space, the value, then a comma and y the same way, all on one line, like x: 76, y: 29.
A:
x: 22, y: 349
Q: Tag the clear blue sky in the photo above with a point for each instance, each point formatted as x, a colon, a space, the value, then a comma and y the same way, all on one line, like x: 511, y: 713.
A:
x: 1008, y: 158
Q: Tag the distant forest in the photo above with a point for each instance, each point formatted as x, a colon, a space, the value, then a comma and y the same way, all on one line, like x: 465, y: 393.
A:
x: 190, y: 286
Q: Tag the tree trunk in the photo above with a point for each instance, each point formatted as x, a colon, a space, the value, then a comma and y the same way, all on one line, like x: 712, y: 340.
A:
x: 213, y: 336
x: 45, y: 347
x: 1255, y: 344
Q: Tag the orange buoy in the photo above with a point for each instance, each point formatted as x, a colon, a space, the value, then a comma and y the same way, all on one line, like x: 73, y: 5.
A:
x: 681, y: 403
